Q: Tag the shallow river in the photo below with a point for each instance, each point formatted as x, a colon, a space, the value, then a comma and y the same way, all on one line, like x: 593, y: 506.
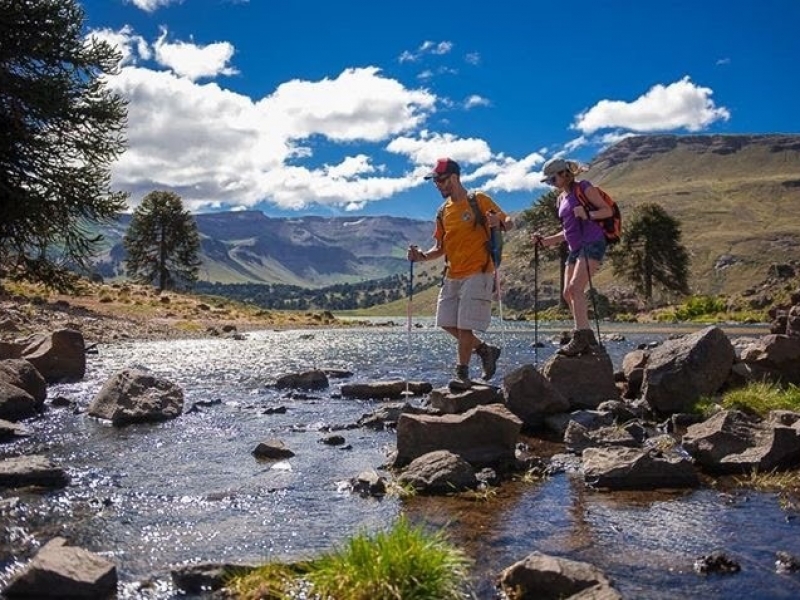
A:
x: 153, y: 496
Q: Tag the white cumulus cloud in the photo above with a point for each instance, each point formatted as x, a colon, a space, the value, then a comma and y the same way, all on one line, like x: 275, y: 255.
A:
x: 194, y: 61
x: 152, y: 5
x: 215, y: 147
x: 679, y: 105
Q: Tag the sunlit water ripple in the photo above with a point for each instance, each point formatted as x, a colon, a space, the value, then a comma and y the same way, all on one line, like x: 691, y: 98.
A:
x: 153, y: 496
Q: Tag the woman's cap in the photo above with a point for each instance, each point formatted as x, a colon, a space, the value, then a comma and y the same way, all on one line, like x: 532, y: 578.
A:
x: 553, y: 166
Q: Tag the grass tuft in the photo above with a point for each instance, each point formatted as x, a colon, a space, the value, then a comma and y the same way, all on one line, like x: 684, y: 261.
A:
x: 405, y: 562
x: 760, y: 398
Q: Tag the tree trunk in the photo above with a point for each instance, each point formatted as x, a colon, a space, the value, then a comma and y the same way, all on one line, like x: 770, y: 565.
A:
x: 162, y: 261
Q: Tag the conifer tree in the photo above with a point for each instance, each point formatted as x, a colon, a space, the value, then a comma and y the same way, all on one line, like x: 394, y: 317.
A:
x: 163, y: 243
x: 60, y: 130
x: 650, y: 254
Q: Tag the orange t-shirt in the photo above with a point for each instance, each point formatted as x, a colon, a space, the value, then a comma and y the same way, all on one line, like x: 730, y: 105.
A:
x: 464, y: 241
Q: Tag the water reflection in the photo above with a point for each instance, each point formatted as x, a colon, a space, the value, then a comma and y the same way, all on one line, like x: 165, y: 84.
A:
x: 152, y: 496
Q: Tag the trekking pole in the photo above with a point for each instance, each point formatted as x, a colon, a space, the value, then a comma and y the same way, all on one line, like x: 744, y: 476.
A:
x: 496, y: 258
x: 410, y: 294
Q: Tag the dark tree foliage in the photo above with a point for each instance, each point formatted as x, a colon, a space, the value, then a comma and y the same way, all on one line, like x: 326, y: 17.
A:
x: 542, y: 217
x: 60, y: 130
x: 650, y: 253
x: 162, y: 243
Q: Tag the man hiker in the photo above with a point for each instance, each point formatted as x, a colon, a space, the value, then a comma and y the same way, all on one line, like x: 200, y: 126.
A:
x: 462, y: 235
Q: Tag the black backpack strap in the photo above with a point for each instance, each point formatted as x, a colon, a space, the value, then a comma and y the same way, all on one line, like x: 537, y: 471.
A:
x: 480, y: 219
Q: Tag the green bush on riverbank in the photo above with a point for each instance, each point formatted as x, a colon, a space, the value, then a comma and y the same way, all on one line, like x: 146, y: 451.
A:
x: 404, y: 562
x: 757, y: 398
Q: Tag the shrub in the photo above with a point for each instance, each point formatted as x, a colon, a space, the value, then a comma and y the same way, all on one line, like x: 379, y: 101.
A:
x: 761, y: 397
x: 404, y: 562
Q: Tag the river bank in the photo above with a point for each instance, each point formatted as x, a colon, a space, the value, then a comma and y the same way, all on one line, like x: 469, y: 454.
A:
x: 111, y: 313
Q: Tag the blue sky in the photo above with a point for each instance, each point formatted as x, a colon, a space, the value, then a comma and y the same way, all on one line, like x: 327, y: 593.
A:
x: 339, y: 108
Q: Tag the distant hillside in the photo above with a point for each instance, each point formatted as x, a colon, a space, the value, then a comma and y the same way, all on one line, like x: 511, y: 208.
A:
x: 249, y: 247
x: 736, y: 196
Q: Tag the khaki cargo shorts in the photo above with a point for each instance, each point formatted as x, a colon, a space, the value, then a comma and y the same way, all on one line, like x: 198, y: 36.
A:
x: 466, y: 303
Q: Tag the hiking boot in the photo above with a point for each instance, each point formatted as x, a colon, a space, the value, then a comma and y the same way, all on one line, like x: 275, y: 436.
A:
x: 581, y: 342
x: 488, y: 355
x: 462, y: 381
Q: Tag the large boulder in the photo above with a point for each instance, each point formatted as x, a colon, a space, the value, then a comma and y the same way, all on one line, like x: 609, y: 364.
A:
x: 772, y: 358
x: 633, y: 370
x: 35, y: 470
x: 24, y: 375
x: 392, y: 389
x: 585, y: 381
x: 137, y: 396
x: 680, y: 371
x: 445, y: 401
x: 61, y: 571
x: 15, y: 403
x: 483, y: 436
x: 733, y: 442
x: 439, y: 472
x: 60, y: 356
x: 542, y: 577
x: 316, y: 379
x: 619, y: 468
x: 530, y: 396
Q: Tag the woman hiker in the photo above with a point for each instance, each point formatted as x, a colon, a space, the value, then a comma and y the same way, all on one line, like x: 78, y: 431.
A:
x: 586, y: 242
x: 465, y: 300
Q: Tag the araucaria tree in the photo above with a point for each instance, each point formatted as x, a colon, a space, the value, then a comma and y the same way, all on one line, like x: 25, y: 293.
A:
x: 162, y: 243
x: 60, y: 130
x: 650, y: 253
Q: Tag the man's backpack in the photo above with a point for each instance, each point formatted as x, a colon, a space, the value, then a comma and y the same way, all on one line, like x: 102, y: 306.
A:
x: 494, y: 245
x: 612, y: 226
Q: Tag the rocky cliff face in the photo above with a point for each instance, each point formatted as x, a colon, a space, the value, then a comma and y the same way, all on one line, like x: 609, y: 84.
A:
x: 642, y: 148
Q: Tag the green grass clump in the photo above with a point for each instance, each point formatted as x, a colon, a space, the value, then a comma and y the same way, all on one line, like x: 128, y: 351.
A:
x: 760, y: 397
x: 272, y: 581
x: 403, y: 563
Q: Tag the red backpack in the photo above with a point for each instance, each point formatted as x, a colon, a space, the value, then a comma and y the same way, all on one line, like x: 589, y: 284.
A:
x: 612, y: 226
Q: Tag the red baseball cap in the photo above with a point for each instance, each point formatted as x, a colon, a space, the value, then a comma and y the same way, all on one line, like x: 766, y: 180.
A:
x: 444, y: 166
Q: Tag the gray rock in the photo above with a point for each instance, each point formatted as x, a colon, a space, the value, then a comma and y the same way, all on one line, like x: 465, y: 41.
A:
x: 385, y: 390
x: 773, y: 358
x: 206, y: 577
x: 679, y: 371
x: 733, y: 442
x: 307, y: 380
x: 484, y: 436
x: 439, y: 472
x: 451, y: 403
x: 368, y: 483
x: 35, y: 470
x: 136, y: 396
x: 585, y: 381
x: 530, y: 396
x: 15, y: 403
x: 24, y: 375
x: 10, y: 431
x: 60, y: 356
x: 634, y: 469
x: 61, y: 571
x: 542, y: 577
x: 272, y: 450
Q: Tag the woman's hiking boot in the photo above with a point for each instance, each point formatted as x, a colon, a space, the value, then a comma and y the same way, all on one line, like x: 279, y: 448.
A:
x: 581, y: 342
x: 462, y: 381
x: 488, y: 355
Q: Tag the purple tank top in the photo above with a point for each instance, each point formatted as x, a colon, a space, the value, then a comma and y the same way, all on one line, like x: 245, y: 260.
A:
x: 577, y: 231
